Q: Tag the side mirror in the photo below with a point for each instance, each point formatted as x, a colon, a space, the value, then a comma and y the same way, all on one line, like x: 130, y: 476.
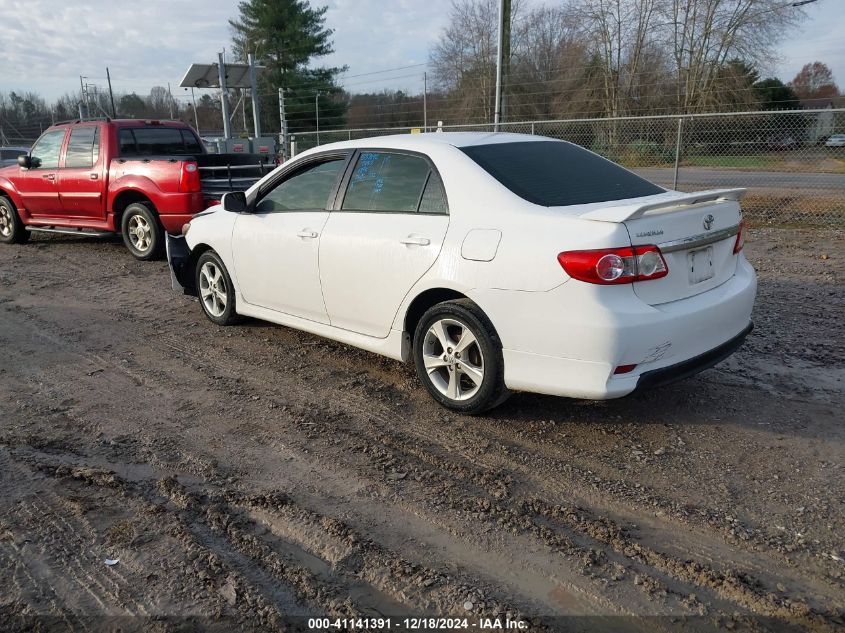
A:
x: 234, y: 201
x: 25, y: 161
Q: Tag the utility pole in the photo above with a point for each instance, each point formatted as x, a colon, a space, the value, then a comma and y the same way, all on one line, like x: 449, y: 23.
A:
x: 254, y: 95
x: 502, y: 54
x: 425, y: 104
x: 83, y: 99
x: 506, y: 58
x: 224, y: 102
x: 283, y: 124
x: 170, y: 101
x: 196, y: 116
x: 111, y: 94
x: 317, y: 112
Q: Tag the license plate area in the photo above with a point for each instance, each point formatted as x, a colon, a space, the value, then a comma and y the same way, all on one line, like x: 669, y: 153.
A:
x: 700, y: 265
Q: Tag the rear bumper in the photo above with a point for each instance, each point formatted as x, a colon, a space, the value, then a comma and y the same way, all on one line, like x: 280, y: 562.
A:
x: 687, y: 368
x: 179, y: 259
x: 173, y: 222
x: 568, y: 341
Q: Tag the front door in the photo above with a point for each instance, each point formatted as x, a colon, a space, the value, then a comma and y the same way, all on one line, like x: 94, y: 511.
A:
x: 81, y: 184
x: 275, y: 247
x: 38, y: 186
x: 387, y: 233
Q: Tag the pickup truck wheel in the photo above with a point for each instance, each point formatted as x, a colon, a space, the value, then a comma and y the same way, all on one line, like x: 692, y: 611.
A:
x: 214, y: 289
x: 142, y: 233
x: 12, y: 230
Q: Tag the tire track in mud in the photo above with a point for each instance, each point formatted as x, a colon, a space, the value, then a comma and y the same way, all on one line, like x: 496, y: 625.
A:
x: 489, y: 486
x: 320, y: 557
x: 61, y: 540
x: 486, y: 487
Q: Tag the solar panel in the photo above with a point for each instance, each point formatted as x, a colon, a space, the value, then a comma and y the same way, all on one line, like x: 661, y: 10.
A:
x: 207, y: 76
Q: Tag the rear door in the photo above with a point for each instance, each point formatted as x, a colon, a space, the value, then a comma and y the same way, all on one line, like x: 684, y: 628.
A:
x: 384, y: 234
x: 80, y: 179
x: 38, y: 186
x: 275, y: 248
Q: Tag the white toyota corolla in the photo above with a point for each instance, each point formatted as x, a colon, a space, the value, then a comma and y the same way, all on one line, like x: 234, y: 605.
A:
x: 496, y: 262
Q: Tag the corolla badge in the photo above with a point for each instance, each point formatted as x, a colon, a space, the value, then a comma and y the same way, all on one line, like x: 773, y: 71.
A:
x: 708, y: 221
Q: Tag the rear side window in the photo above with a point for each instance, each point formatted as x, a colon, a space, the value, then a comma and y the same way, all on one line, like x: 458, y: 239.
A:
x: 383, y: 181
x: 191, y: 142
x: 83, y: 148
x: 434, y: 196
x: 158, y: 141
x: 556, y: 173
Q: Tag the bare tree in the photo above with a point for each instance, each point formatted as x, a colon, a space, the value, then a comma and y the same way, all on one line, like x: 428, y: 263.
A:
x: 705, y: 34
x: 464, y: 58
x: 549, y: 58
x: 621, y: 33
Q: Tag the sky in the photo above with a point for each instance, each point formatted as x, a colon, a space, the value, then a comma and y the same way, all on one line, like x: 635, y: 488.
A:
x: 48, y: 44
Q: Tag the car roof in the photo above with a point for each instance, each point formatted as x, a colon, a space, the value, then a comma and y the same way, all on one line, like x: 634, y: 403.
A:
x: 422, y: 141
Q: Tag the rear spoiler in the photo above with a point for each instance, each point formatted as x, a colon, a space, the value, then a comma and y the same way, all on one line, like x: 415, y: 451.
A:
x: 631, y: 211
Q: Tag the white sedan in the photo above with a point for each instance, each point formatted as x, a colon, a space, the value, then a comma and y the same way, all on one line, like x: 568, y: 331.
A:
x: 496, y: 262
x: 837, y: 140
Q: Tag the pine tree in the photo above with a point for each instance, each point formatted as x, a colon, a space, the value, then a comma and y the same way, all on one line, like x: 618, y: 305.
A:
x: 285, y: 36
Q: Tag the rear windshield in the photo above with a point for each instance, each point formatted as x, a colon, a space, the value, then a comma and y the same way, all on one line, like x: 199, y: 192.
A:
x: 158, y: 141
x: 556, y: 173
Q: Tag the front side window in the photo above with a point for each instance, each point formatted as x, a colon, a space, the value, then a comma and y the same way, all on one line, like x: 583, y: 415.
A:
x: 83, y: 148
x: 308, y: 189
x: 45, y: 152
x: 383, y: 181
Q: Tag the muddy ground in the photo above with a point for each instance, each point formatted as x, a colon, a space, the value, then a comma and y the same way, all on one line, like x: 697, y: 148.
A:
x: 254, y: 476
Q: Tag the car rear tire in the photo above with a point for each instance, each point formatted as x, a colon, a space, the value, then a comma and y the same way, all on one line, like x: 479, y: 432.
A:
x: 12, y: 229
x: 142, y: 232
x: 458, y: 357
x: 215, y: 290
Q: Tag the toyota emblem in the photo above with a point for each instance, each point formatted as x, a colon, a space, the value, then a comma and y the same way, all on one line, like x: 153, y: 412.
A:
x: 708, y: 221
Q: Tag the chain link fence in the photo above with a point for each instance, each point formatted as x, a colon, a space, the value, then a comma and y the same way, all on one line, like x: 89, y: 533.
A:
x: 791, y: 162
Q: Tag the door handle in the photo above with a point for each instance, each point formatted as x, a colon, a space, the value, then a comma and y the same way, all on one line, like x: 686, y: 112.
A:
x: 307, y: 234
x: 94, y: 176
x: 415, y: 241
x: 49, y: 176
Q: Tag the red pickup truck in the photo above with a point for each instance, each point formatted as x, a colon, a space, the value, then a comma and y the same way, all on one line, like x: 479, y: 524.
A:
x: 136, y: 177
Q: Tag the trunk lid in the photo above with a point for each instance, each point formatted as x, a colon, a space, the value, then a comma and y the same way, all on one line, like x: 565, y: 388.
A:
x: 695, y: 232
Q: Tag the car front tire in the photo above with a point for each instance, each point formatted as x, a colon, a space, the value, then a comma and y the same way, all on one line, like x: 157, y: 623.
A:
x: 12, y: 229
x: 458, y: 357
x: 215, y: 290
x: 142, y: 232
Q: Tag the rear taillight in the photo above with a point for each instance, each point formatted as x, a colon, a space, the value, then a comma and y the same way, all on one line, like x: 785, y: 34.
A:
x: 190, y: 179
x: 615, y: 265
x: 740, y: 238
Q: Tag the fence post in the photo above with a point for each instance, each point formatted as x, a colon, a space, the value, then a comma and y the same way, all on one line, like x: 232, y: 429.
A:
x: 678, y: 152
x: 532, y: 128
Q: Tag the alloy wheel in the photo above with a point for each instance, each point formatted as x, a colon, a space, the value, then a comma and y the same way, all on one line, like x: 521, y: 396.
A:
x: 5, y: 221
x: 140, y: 233
x: 453, y: 359
x: 213, y: 289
